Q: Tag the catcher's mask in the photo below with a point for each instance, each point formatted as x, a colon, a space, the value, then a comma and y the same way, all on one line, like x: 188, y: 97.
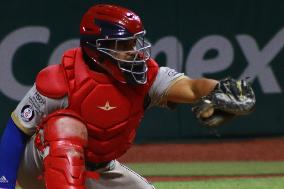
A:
x: 117, y: 33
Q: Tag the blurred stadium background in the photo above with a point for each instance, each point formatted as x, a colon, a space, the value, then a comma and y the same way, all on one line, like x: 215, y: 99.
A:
x: 243, y: 38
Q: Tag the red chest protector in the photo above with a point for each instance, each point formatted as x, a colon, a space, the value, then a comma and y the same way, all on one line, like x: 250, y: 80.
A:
x: 111, y: 110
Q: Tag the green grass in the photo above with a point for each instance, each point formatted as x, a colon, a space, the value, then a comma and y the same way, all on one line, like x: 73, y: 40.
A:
x: 208, y: 168
x: 267, y: 183
x: 214, y: 169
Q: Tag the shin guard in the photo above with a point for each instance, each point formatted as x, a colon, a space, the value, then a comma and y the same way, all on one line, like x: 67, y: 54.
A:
x: 65, y: 138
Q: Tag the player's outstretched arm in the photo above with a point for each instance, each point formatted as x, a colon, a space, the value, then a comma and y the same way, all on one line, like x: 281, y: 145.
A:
x: 214, y: 102
x: 12, y: 145
x: 189, y: 90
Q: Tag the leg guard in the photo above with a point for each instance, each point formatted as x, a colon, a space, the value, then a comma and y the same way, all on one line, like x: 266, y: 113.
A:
x: 64, y: 164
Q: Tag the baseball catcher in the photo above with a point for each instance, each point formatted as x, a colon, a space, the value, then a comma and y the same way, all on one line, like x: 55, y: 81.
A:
x: 83, y: 113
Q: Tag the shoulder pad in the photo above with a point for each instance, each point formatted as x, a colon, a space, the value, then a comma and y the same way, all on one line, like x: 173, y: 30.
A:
x: 51, y: 82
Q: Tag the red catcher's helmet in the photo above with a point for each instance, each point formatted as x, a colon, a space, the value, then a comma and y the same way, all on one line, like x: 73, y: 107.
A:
x: 118, y: 33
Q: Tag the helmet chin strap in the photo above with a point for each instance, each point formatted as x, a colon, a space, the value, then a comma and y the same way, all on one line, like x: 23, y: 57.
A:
x: 93, y: 58
x: 130, y: 75
x: 107, y: 71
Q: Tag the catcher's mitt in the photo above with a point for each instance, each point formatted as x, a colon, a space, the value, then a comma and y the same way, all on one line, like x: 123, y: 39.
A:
x: 230, y: 98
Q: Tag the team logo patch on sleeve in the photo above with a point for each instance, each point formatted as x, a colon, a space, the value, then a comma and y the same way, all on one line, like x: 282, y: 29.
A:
x: 27, y: 113
x: 172, y: 73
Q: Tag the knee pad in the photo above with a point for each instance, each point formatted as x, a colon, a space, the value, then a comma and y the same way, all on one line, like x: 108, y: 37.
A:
x: 64, y: 165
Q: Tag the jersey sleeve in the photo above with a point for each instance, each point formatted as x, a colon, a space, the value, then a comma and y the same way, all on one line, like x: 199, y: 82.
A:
x: 165, y: 78
x: 12, y: 145
x: 33, y: 108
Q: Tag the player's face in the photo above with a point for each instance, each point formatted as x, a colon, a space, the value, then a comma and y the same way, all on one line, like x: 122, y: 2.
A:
x: 124, y: 49
x: 130, y: 54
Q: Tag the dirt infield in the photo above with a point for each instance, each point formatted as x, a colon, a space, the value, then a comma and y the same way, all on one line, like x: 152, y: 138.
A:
x: 265, y: 149
x: 261, y: 149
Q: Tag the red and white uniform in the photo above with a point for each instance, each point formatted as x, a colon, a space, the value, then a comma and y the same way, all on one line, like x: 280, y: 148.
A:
x: 110, y: 110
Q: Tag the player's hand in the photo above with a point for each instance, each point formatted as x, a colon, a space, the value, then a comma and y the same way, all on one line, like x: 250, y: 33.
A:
x: 230, y: 98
